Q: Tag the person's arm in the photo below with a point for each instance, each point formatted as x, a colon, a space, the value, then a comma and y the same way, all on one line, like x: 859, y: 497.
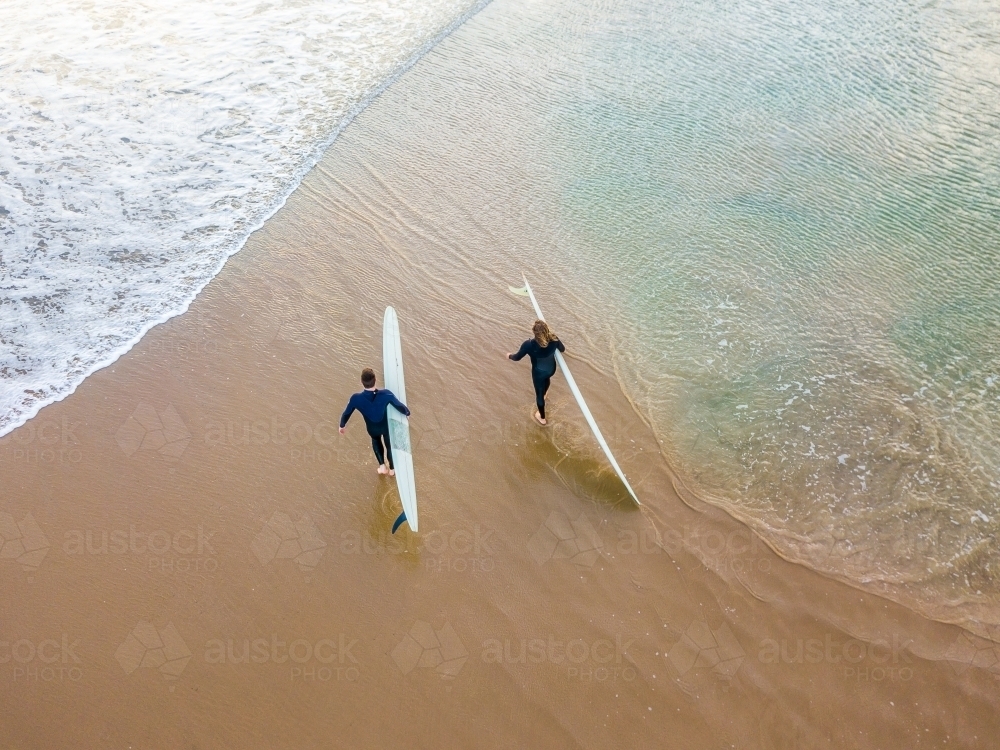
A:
x: 520, y: 352
x: 559, y: 345
x: 347, y: 413
x: 400, y: 406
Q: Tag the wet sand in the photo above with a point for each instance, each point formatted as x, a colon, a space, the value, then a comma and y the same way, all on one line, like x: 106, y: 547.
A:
x: 194, y: 557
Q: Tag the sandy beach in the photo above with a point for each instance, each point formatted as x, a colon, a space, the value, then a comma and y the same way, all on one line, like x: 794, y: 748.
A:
x: 194, y: 557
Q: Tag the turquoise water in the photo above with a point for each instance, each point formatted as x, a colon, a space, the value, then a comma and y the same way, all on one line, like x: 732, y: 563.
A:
x: 794, y: 209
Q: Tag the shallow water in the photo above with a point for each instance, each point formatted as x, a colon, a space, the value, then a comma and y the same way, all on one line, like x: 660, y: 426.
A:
x: 781, y: 219
x: 787, y: 218
x: 213, y: 562
x: 140, y: 145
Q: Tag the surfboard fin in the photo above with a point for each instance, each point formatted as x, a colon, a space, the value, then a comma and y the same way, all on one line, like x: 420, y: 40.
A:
x: 521, y: 291
x: 399, y: 521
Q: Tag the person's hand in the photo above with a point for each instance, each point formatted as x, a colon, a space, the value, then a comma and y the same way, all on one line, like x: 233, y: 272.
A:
x: 510, y: 354
x: 342, y: 430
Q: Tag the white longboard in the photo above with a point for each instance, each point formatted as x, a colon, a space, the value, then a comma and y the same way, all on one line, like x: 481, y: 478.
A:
x: 399, y: 425
x: 526, y: 291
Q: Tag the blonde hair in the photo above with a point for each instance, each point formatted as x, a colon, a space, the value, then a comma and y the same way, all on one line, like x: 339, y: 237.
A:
x: 543, y: 334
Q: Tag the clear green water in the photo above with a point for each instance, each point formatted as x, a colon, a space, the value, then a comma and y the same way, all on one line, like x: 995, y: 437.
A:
x: 795, y: 208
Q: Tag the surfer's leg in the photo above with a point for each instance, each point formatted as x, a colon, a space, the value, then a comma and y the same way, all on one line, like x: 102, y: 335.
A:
x: 541, y: 384
x: 377, y: 447
x: 388, y: 449
x: 376, y: 431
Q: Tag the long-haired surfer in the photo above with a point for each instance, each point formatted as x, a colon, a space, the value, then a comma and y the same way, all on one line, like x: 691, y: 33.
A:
x: 541, y: 348
x: 374, y: 407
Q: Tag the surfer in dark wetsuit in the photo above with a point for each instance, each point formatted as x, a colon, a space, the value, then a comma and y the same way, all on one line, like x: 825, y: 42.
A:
x: 542, y: 351
x: 373, y: 405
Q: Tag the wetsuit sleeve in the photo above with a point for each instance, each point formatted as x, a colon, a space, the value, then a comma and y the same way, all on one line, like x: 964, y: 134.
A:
x: 400, y: 406
x: 522, y: 351
x: 559, y: 345
x: 347, y: 412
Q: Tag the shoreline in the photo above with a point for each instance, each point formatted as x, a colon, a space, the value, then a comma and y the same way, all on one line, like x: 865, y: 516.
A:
x: 210, y: 451
x: 979, y: 619
x: 7, y: 425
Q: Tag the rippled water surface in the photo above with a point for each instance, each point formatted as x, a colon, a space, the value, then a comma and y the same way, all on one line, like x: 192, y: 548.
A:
x: 794, y: 209
x: 141, y: 143
x: 786, y: 216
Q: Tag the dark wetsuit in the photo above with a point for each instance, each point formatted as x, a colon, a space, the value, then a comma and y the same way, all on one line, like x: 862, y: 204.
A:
x: 373, y: 406
x: 543, y: 366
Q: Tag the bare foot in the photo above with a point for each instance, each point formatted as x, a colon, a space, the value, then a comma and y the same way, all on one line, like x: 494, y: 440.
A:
x: 392, y: 472
x: 381, y: 469
x: 538, y: 418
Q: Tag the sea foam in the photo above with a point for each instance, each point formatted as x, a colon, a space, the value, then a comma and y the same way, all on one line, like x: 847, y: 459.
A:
x: 141, y: 143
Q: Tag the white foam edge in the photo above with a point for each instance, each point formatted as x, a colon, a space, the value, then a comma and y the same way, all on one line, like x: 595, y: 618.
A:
x: 318, y: 152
